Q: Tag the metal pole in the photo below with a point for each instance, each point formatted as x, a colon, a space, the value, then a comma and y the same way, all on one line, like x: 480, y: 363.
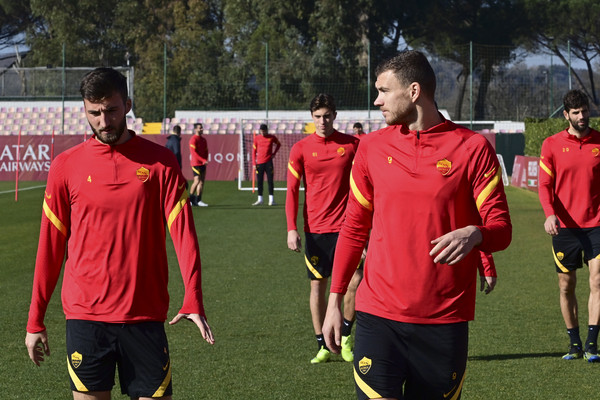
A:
x: 369, y: 83
x: 569, y: 51
x: 62, y: 128
x: 267, y: 80
x: 471, y: 83
x: 164, y: 87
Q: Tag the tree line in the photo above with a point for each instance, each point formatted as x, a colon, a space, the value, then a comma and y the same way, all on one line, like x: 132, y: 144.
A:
x: 220, y: 52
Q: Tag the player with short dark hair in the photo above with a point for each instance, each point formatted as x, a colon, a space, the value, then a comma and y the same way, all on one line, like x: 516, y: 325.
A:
x: 358, y: 130
x: 428, y: 194
x: 322, y: 162
x: 199, y: 159
x: 263, y: 158
x: 108, y: 204
x: 569, y: 191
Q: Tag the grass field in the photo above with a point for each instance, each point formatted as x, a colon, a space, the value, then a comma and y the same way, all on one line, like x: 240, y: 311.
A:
x: 256, y: 296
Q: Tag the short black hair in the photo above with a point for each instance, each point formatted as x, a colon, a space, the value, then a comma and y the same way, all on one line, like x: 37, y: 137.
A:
x: 411, y: 66
x: 177, y: 129
x: 357, y: 125
x: 264, y: 127
x: 322, y: 100
x: 102, y: 83
x: 575, y: 99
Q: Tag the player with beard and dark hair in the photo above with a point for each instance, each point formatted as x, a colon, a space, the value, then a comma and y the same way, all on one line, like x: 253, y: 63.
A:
x: 569, y: 190
x: 108, y: 204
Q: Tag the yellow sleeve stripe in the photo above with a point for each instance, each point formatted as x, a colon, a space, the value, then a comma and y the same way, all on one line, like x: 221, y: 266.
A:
x: 54, y: 219
x: 76, y: 381
x: 312, y: 269
x: 558, y: 263
x: 293, y: 171
x: 160, y: 392
x: 366, y: 389
x: 178, y: 208
x: 361, y: 199
x: 489, y: 188
x: 192, y: 146
x: 546, y: 169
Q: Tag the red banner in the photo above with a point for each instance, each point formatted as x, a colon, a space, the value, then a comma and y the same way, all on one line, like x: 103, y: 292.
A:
x: 525, y: 172
x: 35, y: 154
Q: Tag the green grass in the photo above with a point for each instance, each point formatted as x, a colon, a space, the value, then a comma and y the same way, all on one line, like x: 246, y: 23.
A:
x: 256, y: 297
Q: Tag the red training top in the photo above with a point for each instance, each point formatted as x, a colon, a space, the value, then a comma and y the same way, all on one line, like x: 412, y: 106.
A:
x: 409, y: 188
x: 198, y: 150
x: 110, y: 207
x: 263, y: 148
x: 323, y: 165
x: 569, y: 181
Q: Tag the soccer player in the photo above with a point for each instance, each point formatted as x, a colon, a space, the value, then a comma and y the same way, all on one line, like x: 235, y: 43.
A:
x: 569, y: 190
x: 430, y: 194
x: 199, y: 159
x: 263, y: 157
x: 358, y: 130
x: 174, y: 143
x: 108, y: 204
x: 322, y: 161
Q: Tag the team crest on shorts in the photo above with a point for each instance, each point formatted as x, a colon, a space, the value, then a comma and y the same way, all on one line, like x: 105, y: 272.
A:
x: 364, y: 365
x: 341, y: 151
x: 76, y: 359
x: 142, y: 174
x: 314, y: 260
x: 560, y: 255
x: 444, y: 166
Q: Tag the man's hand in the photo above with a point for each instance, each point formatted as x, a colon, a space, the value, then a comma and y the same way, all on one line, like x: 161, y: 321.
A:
x: 200, y: 322
x: 490, y: 281
x: 37, y: 346
x: 454, y: 246
x: 332, y: 326
x: 293, y: 241
x: 552, y: 225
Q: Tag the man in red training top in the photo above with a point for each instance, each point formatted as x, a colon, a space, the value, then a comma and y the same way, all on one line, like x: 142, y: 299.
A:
x: 263, y: 158
x: 322, y: 161
x: 199, y: 159
x: 569, y: 191
x: 428, y: 194
x: 108, y: 203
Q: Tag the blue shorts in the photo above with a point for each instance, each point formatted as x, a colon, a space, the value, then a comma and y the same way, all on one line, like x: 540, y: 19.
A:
x: 140, y: 350
x: 573, y: 246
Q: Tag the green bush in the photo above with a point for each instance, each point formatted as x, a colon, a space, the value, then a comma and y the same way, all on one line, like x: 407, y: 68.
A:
x: 536, y: 130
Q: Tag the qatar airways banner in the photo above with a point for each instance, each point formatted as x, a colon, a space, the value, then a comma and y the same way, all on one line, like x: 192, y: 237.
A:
x: 525, y: 172
x: 33, y: 155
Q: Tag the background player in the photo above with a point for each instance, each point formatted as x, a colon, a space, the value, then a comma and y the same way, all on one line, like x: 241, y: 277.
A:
x: 199, y: 159
x: 263, y: 156
x: 322, y: 161
x: 428, y: 191
x: 569, y: 191
x: 108, y: 203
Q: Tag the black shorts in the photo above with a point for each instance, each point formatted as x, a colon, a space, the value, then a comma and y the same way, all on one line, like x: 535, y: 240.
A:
x: 140, y: 351
x: 573, y: 246
x: 319, y: 249
x: 412, y: 361
x: 199, y: 170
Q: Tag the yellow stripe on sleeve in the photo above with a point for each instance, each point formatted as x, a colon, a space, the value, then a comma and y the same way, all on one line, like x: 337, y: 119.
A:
x: 312, y: 269
x: 546, y: 169
x: 361, y: 199
x: 165, y: 383
x: 489, y: 188
x: 366, y: 389
x: 76, y: 381
x: 558, y: 263
x: 177, y: 209
x: 293, y: 171
x: 54, y: 219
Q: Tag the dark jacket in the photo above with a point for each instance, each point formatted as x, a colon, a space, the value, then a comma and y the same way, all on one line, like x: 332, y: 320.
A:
x: 174, y: 144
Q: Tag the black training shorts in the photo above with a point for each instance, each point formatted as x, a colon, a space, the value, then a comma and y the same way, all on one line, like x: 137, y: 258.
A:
x: 319, y: 249
x: 140, y: 351
x: 571, y: 244
x: 409, y: 361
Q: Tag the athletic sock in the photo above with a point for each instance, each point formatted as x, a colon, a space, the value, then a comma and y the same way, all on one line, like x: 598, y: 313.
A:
x: 592, y: 339
x: 347, y: 327
x: 574, y: 336
x: 270, y: 198
x: 321, y: 341
x: 193, y: 199
x: 260, y: 198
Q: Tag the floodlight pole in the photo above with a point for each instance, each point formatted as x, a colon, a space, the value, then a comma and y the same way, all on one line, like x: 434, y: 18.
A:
x: 369, y: 82
x: 164, y: 128
x: 267, y: 80
x: 62, y: 125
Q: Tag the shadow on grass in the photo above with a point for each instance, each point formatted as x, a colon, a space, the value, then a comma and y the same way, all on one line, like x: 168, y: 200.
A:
x: 499, y: 357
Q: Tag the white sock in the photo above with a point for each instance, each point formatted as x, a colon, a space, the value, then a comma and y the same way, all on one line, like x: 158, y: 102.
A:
x: 270, y: 198
x: 260, y: 199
